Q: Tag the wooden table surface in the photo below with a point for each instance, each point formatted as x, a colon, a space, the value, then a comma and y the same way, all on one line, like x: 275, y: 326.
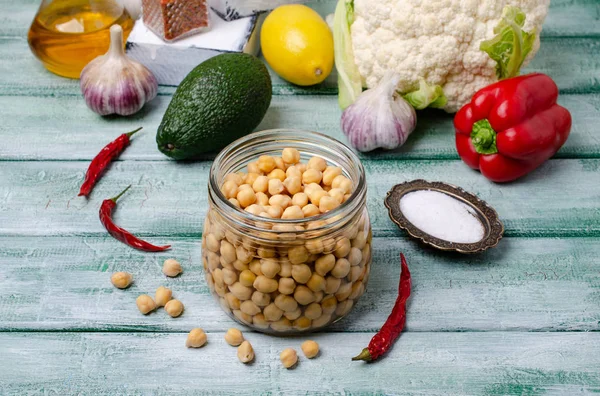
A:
x: 521, y: 319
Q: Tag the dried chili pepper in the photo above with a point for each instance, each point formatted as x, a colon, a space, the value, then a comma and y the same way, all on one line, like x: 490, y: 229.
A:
x: 101, y: 161
x: 393, y: 326
x: 119, y: 233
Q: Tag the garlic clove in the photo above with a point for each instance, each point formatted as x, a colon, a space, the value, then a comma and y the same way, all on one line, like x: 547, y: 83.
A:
x: 114, y: 84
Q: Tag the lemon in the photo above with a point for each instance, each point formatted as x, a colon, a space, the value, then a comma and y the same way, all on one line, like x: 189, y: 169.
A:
x: 297, y: 44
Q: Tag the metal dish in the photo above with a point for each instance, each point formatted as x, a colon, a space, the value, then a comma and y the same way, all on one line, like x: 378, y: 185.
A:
x: 493, y: 227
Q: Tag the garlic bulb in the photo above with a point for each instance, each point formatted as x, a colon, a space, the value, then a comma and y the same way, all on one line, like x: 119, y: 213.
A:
x: 380, y: 117
x: 114, y: 84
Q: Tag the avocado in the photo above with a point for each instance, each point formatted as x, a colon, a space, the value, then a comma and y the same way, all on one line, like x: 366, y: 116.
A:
x: 221, y: 100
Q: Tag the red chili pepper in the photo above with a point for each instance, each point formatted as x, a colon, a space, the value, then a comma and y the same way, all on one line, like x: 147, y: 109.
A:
x: 101, y: 161
x: 393, y: 326
x: 119, y: 233
x: 512, y: 127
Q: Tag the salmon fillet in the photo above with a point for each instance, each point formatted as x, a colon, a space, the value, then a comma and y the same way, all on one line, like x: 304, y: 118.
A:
x: 175, y: 19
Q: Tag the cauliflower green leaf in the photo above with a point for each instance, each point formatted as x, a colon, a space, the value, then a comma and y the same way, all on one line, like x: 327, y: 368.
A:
x: 511, y: 45
x: 349, y: 80
x: 427, y: 96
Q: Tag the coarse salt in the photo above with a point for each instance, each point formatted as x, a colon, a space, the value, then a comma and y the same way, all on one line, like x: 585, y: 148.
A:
x: 442, y: 216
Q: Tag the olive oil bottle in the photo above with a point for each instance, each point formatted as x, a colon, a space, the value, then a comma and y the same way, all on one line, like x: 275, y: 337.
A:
x: 67, y: 34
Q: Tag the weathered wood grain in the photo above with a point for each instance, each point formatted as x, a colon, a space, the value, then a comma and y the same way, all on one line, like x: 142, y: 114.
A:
x: 573, y: 63
x: 476, y: 325
x: 62, y: 128
x: 420, y: 363
x: 16, y: 17
x: 62, y: 284
x: 572, y: 18
x: 168, y: 198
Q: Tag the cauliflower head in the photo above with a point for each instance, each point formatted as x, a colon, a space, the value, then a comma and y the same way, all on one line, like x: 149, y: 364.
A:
x: 437, y: 41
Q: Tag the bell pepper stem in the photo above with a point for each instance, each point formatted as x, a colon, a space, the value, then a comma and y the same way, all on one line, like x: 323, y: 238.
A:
x: 130, y: 134
x: 483, y: 137
x: 115, y: 199
x: 364, y: 355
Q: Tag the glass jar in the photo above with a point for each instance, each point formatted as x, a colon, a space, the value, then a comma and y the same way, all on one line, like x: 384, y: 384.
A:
x: 318, y: 267
x: 67, y: 34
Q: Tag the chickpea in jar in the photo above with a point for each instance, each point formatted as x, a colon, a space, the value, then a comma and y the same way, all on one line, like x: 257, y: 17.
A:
x: 292, y: 271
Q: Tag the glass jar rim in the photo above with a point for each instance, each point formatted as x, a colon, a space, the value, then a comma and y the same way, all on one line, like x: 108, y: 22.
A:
x: 353, y: 202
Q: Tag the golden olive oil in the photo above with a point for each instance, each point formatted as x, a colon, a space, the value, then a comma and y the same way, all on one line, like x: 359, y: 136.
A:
x: 67, y: 34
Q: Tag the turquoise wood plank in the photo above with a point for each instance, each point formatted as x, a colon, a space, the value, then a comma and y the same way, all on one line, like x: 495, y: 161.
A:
x: 420, y: 363
x: 558, y: 57
x: 572, y: 18
x: 63, y: 284
x: 63, y: 128
x: 16, y: 17
x: 169, y: 198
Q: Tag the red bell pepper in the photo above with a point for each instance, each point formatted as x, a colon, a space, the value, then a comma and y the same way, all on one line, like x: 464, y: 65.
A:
x: 512, y: 127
